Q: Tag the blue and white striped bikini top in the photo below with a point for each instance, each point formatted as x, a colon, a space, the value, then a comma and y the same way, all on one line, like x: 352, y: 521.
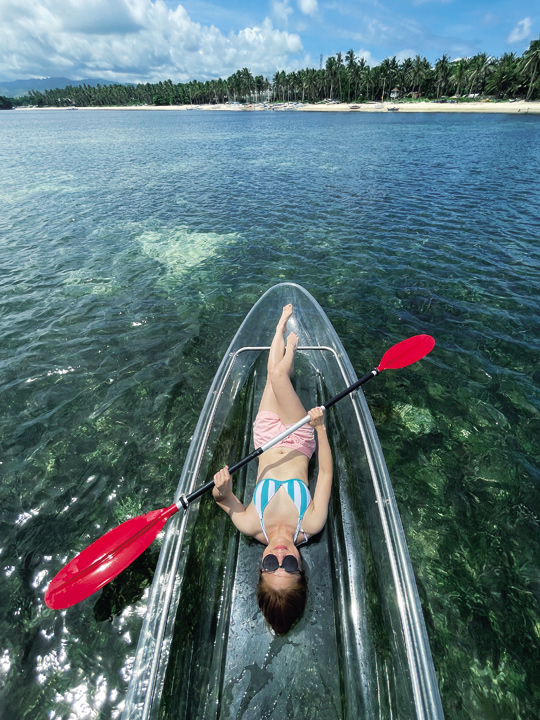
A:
x: 298, y: 492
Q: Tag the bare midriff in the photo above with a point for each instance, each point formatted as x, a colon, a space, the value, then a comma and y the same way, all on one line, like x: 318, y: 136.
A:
x: 281, y: 463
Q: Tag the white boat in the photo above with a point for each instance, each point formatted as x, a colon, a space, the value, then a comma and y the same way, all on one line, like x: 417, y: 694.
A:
x: 360, y: 649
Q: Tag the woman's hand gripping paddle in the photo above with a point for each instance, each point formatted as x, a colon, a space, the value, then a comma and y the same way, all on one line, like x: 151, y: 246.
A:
x: 102, y: 561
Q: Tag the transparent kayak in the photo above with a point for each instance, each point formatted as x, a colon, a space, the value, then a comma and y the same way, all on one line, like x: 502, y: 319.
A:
x: 360, y: 649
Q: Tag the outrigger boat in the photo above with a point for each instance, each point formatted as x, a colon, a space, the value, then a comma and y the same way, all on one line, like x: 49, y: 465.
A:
x: 360, y: 649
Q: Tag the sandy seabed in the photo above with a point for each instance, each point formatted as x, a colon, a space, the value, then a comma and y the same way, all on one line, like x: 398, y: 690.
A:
x: 518, y: 107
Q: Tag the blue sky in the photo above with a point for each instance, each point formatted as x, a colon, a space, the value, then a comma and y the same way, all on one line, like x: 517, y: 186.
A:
x: 149, y: 40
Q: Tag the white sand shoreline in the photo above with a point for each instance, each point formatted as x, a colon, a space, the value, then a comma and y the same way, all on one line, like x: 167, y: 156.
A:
x: 514, y: 108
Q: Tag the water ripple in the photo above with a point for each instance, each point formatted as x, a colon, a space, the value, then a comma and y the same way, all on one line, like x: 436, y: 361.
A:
x: 132, y: 246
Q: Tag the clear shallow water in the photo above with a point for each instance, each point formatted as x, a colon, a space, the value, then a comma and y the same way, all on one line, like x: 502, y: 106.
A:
x: 131, y: 247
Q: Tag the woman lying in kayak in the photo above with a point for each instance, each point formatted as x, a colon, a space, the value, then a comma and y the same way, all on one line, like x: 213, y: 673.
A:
x: 282, y: 515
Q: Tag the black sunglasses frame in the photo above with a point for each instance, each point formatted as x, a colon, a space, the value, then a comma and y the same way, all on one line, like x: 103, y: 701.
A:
x: 280, y: 565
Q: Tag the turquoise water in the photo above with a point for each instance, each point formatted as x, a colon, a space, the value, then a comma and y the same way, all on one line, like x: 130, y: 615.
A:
x: 132, y: 244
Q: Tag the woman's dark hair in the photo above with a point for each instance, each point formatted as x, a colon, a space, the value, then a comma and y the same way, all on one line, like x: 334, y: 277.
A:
x: 283, y: 607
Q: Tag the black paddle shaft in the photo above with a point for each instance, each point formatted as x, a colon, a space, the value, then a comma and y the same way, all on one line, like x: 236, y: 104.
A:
x: 185, y: 500
x: 350, y: 389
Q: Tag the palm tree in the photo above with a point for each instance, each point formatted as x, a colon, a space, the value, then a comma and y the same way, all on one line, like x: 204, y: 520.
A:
x: 504, y: 79
x: 359, y: 74
x: 259, y: 86
x: 387, y: 71
x: 530, y: 65
x: 352, y: 69
x: 283, y: 84
x: 222, y: 90
x: 458, y: 74
x: 418, y: 72
x: 442, y: 71
x: 234, y: 85
x: 294, y: 83
x: 393, y: 67
x: 479, y: 69
x: 368, y: 80
x: 275, y: 84
x: 331, y: 66
x: 405, y: 75
x: 302, y: 80
x: 246, y: 81
x: 282, y: 80
x: 267, y: 87
x: 339, y: 65
x: 314, y: 83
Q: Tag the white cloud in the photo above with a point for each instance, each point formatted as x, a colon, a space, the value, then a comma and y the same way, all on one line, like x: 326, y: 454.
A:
x: 281, y: 11
x: 371, y: 32
x: 521, y: 31
x: 100, y: 17
x: 368, y: 57
x: 308, y: 7
x: 405, y: 54
x: 131, y: 41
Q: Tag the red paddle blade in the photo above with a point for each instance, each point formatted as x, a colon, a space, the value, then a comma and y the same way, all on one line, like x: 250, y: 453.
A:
x: 105, y: 558
x: 406, y: 352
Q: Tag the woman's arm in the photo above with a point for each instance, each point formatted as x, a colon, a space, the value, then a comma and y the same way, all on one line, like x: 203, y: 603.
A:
x: 227, y: 501
x: 317, y: 513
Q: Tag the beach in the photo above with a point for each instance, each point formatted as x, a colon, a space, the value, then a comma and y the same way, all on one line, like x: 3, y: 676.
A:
x: 519, y: 107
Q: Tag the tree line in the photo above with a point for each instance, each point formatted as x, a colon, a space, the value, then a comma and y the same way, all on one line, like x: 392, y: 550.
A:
x: 345, y: 78
x: 5, y: 103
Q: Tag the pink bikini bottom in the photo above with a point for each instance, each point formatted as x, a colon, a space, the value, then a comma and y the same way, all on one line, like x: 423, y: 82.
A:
x: 267, y: 425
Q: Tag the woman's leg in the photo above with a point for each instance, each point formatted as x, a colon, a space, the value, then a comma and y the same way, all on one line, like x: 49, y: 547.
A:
x: 269, y: 401
x: 279, y: 396
x: 290, y: 407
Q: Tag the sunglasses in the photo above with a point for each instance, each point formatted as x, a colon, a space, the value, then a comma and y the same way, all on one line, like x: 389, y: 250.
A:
x: 270, y: 563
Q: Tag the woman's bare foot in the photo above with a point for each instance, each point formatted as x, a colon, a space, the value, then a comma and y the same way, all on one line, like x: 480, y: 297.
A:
x: 292, y: 342
x: 285, y: 315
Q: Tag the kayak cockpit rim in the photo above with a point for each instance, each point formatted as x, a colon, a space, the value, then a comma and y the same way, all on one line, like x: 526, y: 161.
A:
x: 168, y: 590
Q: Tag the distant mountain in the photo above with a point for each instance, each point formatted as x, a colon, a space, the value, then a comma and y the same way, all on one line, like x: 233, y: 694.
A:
x: 16, y: 88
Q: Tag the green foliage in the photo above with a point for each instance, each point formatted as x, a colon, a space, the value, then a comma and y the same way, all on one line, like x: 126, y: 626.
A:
x: 530, y: 67
x: 5, y: 103
x: 347, y: 79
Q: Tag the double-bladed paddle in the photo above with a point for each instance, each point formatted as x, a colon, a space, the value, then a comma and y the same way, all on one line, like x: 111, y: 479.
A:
x: 105, y: 558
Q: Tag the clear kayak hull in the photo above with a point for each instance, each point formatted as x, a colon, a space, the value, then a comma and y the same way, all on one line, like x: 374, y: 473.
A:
x: 360, y: 649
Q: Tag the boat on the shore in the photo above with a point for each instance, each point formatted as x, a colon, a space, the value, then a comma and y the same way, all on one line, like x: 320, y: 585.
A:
x: 361, y: 648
